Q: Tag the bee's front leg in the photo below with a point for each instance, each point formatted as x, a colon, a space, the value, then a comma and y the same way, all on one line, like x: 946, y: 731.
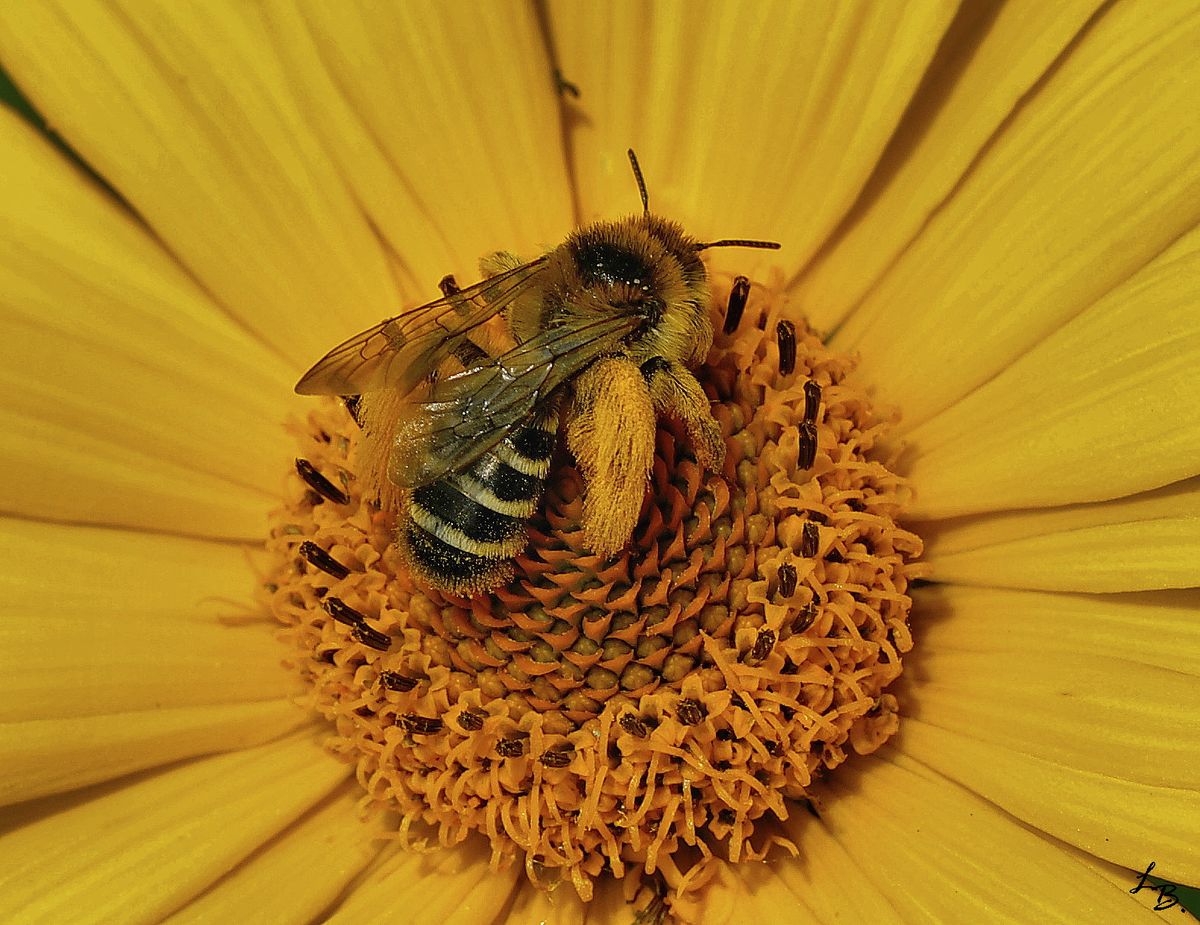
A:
x: 675, y: 391
x: 611, y: 435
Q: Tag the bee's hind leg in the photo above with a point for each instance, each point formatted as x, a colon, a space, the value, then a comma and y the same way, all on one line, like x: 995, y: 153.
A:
x: 676, y: 392
x: 611, y: 435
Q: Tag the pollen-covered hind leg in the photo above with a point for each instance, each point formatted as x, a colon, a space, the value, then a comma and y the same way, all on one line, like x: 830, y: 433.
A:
x: 676, y: 392
x: 611, y: 435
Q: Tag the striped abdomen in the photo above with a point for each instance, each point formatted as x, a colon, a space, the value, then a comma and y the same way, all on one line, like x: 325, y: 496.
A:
x: 462, y: 532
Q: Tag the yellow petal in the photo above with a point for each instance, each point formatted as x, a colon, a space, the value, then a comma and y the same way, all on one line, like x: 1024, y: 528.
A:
x: 47, y: 756
x: 755, y: 893
x: 1075, y: 712
x: 1096, y: 174
x: 297, y: 876
x: 561, y: 906
x: 444, y: 120
x: 96, y: 622
x: 129, y: 396
x: 1145, y: 542
x: 941, y: 853
x: 1006, y: 624
x: 189, y: 115
x: 135, y: 853
x: 448, y: 885
x: 760, y: 120
x: 990, y: 57
x: 1105, y: 406
x: 1121, y: 820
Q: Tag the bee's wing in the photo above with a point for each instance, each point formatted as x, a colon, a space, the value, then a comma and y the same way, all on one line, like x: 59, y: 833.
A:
x: 470, y: 412
x: 399, y: 352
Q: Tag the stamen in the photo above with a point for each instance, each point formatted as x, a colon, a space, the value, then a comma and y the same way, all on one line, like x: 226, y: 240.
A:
x: 812, y: 401
x: 785, y: 333
x: 318, y: 557
x: 343, y: 613
x: 808, y: 445
x: 318, y: 483
x: 737, y: 303
x: 510, y: 748
x: 395, y: 681
x: 810, y: 539
x: 421, y: 725
x: 372, y: 637
x: 470, y: 720
x: 558, y: 758
x: 787, y: 580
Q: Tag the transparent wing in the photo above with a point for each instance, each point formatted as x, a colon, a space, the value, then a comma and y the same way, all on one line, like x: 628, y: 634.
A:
x: 467, y: 414
x: 400, y: 352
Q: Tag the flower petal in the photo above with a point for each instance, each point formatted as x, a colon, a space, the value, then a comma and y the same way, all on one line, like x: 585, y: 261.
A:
x: 444, y: 120
x: 130, y: 397
x: 1005, y: 624
x: 1105, y: 406
x: 301, y: 873
x: 138, y: 852
x: 1096, y: 174
x: 98, y: 622
x: 190, y: 117
x: 454, y: 886
x: 561, y: 906
x: 1146, y: 542
x: 1090, y: 745
x: 991, y: 56
x: 750, y: 121
x: 55, y: 755
x: 941, y: 853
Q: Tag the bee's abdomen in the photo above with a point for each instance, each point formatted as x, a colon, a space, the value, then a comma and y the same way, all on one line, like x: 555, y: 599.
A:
x: 461, y: 532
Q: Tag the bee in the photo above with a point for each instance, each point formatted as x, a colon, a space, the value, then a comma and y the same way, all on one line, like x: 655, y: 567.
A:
x: 462, y: 398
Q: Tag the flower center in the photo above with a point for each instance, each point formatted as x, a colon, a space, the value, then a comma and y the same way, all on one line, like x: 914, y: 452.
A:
x: 641, y: 713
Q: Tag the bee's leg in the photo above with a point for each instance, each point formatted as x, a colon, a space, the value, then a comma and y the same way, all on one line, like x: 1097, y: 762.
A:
x: 611, y: 434
x: 675, y: 391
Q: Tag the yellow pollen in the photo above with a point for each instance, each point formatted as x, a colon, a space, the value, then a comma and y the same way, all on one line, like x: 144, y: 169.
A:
x: 642, y: 713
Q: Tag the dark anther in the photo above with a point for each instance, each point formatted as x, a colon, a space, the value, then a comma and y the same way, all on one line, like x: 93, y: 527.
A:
x: 722, y: 765
x: 810, y: 539
x: 470, y: 720
x: 727, y: 817
x: 785, y: 333
x: 448, y: 285
x: 774, y: 749
x: 557, y: 758
x: 737, y: 303
x: 690, y: 712
x: 835, y: 556
x: 343, y: 612
x: 510, y: 748
x: 787, y: 713
x: 806, y: 617
x: 763, y: 645
x: 371, y: 637
x: 808, y: 445
x: 315, y: 555
x: 352, y: 403
x: 737, y: 701
x: 812, y: 400
x: 395, y: 681
x: 633, y: 725
x: 725, y: 735
x: 321, y: 485
x: 787, y: 580
x: 421, y: 725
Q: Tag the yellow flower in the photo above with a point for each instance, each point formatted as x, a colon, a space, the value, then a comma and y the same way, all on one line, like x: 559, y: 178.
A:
x: 995, y: 207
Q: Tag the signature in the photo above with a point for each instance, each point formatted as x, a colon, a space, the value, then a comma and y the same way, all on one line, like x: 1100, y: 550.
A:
x: 1166, y: 890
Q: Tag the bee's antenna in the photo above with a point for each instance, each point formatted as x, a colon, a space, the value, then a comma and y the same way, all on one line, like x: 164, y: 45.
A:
x: 637, y: 173
x: 740, y: 242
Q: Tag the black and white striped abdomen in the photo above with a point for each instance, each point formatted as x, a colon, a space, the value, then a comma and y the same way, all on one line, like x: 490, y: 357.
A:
x: 462, y: 532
